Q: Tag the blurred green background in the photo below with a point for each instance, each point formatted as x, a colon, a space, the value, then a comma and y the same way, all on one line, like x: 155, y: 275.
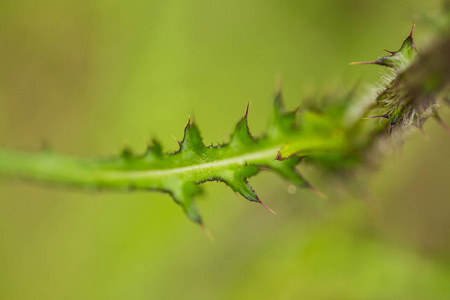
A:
x: 88, y: 77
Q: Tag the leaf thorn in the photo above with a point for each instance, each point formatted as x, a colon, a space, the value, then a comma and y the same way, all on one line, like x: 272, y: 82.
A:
x: 374, y: 117
x: 412, y: 29
x: 260, y: 202
x: 317, y: 192
x: 390, y: 130
x: 207, y: 232
x: 246, y: 110
x: 363, y: 63
x: 179, y: 143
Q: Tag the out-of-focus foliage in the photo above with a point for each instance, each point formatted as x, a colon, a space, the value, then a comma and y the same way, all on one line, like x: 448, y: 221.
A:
x: 85, y: 75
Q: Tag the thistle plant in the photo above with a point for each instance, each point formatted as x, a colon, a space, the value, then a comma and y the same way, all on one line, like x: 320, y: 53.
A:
x: 334, y: 135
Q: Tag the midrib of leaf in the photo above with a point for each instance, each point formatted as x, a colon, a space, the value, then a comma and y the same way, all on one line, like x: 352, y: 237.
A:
x: 247, y: 158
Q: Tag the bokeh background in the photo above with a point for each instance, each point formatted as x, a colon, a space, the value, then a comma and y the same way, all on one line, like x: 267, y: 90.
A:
x: 87, y: 77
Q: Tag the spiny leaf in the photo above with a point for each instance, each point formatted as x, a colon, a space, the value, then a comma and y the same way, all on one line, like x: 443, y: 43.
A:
x: 237, y: 180
x: 334, y: 136
x: 418, y: 85
x: 241, y: 136
x: 398, y: 59
x: 192, y: 141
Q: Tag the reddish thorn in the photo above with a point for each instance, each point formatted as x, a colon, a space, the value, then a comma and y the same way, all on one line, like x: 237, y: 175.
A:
x: 207, y: 232
x: 246, y: 110
x: 189, y: 120
x: 391, y: 52
x: 267, y: 207
x: 442, y: 123
x: 364, y: 63
x: 176, y: 139
x: 390, y: 130
x: 317, y: 192
x: 412, y: 29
